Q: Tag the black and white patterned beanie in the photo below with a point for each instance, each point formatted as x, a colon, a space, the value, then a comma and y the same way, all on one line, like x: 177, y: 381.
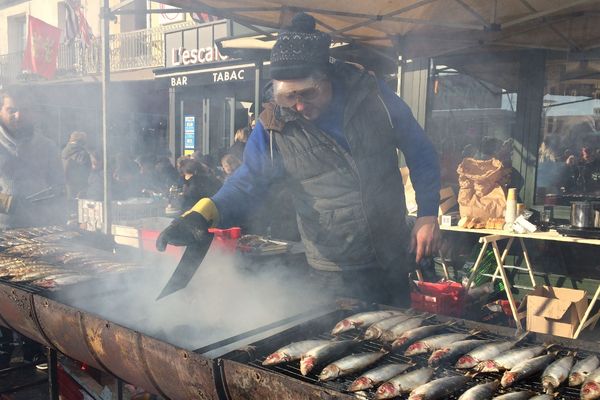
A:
x: 300, y: 50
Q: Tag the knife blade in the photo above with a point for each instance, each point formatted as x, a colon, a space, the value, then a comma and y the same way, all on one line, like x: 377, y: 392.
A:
x: 188, y: 265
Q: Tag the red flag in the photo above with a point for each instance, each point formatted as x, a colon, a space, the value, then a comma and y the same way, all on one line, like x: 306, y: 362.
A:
x: 42, y: 48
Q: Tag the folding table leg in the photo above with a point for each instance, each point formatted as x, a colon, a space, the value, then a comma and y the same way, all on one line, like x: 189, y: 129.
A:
x: 504, y: 254
x: 476, y: 265
x: 527, y: 262
x: 507, y: 286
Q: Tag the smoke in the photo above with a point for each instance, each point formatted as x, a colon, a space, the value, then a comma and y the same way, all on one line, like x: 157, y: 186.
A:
x: 226, y: 297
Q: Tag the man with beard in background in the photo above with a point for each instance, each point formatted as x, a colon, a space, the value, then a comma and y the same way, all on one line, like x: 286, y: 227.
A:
x: 331, y: 136
x: 31, y: 186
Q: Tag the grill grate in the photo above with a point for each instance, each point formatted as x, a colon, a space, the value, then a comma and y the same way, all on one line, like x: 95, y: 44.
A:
x: 341, y: 384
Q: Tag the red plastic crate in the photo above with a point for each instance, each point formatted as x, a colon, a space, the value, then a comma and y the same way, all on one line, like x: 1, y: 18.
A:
x: 148, y: 243
x: 226, y: 239
x: 445, y: 298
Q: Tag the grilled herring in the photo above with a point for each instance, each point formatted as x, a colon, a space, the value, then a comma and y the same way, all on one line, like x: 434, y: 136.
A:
x: 375, y: 331
x: 591, y: 387
x: 542, y: 397
x: 292, y: 351
x: 556, y: 373
x: 486, y: 352
x: 582, y: 369
x: 481, y: 392
x: 349, y: 365
x: 526, y: 369
x: 439, y: 388
x: 453, y: 351
x: 400, y: 328
x: 404, y: 383
x: 434, y: 343
x: 509, y: 359
x: 376, y: 376
x: 360, y: 320
x: 324, y: 353
x: 411, y: 336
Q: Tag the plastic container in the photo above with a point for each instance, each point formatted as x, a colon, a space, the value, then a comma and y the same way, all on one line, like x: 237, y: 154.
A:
x: 446, y: 298
x: 511, y: 206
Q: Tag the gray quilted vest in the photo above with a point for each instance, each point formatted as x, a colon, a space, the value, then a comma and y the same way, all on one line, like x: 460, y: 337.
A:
x: 350, y: 206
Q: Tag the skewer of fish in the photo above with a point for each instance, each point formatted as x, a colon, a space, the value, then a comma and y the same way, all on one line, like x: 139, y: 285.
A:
x: 439, y: 388
x: 404, y: 383
x: 582, y: 369
x: 363, y: 319
x: 349, y: 365
x: 376, y: 376
x: 324, y: 353
x: 481, y: 392
x: 556, y: 373
x: 436, y: 342
x: 453, y: 351
x: 526, y: 369
x: 486, y: 352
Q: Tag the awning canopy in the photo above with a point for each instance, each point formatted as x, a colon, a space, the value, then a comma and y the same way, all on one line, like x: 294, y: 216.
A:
x: 428, y: 27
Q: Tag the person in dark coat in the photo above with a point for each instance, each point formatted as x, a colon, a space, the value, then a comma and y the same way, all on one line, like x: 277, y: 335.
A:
x: 77, y: 164
x: 331, y: 136
x: 31, y: 189
x: 239, y: 144
x: 198, y: 183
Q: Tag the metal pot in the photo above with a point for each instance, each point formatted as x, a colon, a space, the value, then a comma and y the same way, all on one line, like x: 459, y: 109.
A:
x: 585, y: 214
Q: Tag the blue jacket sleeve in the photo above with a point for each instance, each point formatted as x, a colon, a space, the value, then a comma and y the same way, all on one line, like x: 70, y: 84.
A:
x: 245, y: 190
x: 421, y: 157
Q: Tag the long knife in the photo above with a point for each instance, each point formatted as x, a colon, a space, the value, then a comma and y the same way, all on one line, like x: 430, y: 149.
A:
x: 188, y: 265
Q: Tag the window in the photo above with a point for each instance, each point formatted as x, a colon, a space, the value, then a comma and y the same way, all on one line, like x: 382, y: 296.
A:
x: 473, y: 112
x: 569, y: 153
x: 17, y: 33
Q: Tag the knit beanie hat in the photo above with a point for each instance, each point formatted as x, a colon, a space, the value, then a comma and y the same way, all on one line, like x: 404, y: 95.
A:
x: 300, y: 50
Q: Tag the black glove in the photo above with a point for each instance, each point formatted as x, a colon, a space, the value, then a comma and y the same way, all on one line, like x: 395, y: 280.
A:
x: 184, y: 231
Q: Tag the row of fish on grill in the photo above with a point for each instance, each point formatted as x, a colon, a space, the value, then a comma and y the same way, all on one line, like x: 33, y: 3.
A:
x: 403, y: 332
x: 50, y: 257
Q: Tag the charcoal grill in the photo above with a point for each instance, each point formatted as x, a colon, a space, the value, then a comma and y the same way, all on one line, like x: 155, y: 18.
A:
x: 226, y: 369
x: 245, y: 377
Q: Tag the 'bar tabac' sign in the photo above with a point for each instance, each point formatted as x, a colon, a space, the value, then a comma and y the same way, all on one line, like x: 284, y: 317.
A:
x: 195, y: 46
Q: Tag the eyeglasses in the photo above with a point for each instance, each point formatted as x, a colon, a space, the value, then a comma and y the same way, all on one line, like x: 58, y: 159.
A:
x: 291, y: 98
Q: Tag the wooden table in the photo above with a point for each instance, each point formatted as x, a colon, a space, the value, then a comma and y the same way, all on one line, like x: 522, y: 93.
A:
x: 492, y: 236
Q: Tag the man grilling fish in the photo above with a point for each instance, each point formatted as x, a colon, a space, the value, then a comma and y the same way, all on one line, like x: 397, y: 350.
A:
x: 331, y: 134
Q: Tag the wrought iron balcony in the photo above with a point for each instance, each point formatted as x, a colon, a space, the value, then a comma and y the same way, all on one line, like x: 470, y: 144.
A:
x: 128, y: 51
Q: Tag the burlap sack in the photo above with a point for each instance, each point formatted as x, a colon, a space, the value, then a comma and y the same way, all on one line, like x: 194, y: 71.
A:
x: 482, y: 186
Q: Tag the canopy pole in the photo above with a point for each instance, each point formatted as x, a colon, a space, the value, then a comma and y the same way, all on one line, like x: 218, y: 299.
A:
x: 106, y: 211
x: 258, y: 68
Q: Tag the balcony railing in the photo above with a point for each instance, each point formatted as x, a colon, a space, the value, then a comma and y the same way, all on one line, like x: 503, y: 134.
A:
x: 128, y: 51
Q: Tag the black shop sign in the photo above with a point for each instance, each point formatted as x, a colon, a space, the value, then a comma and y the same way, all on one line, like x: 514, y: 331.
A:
x: 212, y: 77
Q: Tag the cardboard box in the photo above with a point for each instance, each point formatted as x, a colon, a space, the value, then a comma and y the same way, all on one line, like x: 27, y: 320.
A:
x: 556, y: 311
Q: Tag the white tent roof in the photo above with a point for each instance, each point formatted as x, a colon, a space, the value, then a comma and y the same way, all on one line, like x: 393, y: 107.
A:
x: 429, y: 27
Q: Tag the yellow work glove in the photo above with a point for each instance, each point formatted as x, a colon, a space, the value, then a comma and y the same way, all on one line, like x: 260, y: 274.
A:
x: 191, y: 227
